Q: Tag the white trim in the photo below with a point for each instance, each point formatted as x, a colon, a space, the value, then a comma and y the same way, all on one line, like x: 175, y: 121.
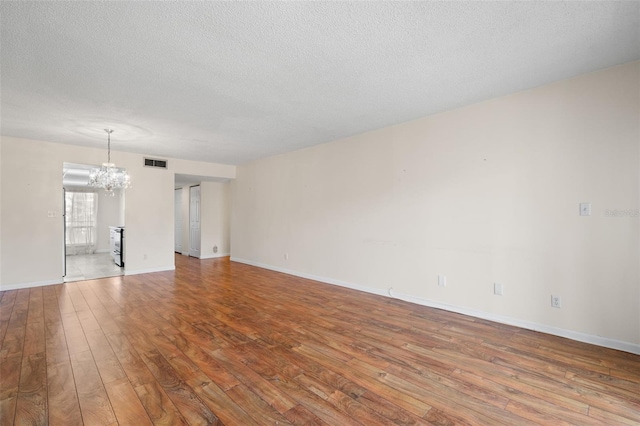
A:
x: 313, y: 277
x: 149, y: 270
x: 556, y: 331
x: 215, y: 256
x: 61, y: 281
x: 20, y: 286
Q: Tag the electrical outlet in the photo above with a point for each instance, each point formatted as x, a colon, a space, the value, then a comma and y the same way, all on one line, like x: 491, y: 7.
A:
x: 585, y: 209
x: 442, y: 280
x: 497, y: 289
x: 556, y: 301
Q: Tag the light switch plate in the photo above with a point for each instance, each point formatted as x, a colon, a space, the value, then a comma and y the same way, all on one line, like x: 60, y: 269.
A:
x: 585, y: 209
x: 497, y: 289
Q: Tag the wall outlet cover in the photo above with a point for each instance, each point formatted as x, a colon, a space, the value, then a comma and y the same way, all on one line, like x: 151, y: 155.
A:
x: 442, y: 280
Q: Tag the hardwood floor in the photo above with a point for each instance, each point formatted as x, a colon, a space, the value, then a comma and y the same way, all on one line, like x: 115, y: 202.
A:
x: 217, y: 342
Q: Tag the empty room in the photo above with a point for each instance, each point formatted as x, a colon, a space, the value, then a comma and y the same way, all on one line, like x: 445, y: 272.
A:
x: 319, y: 213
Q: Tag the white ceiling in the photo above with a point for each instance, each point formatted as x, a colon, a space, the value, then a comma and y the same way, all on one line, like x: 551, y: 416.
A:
x: 230, y: 82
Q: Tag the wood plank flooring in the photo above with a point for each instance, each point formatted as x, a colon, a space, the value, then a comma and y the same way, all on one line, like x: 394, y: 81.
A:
x: 217, y: 342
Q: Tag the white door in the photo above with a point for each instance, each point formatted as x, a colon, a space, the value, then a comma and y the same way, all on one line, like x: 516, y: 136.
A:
x: 194, y: 221
x: 178, y: 222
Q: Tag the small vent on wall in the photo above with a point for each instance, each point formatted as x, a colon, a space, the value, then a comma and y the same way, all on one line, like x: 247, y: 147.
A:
x: 150, y: 162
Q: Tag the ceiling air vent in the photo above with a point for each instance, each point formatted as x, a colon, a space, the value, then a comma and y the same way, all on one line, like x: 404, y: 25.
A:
x: 150, y: 162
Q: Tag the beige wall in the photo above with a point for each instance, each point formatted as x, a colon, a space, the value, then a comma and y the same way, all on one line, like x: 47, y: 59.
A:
x: 486, y: 193
x: 32, y: 186
x: 215, y: 227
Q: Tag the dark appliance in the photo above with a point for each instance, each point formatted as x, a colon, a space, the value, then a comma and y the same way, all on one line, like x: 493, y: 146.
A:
x: 117, y: 244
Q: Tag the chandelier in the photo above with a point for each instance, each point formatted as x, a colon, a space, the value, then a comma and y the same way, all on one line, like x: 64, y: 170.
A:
x: 109, y: 177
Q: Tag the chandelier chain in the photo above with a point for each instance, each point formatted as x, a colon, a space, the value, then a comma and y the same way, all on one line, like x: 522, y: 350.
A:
x: 109, y: 131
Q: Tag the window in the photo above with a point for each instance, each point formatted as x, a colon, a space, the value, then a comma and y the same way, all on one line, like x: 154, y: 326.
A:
x: 81, y: 211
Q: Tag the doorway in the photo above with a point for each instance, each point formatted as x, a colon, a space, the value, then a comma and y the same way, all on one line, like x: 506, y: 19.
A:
x: 202, y: 216
x: 88, y: 216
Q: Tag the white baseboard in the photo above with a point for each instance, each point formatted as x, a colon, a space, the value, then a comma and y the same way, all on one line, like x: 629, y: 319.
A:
x: 103, y: 251
x: 149, y: 270
x: 556, y: 331
x: 570, y: 334
x: 215, y: 256
x: 61, y: 280
x: 312, y: 277
x: 20, y: 286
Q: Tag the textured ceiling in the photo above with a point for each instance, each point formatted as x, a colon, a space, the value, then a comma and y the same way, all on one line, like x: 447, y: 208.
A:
x: 230, y: 82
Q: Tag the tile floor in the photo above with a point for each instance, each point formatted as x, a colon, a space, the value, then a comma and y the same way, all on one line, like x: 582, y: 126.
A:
x: 91, y: 266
